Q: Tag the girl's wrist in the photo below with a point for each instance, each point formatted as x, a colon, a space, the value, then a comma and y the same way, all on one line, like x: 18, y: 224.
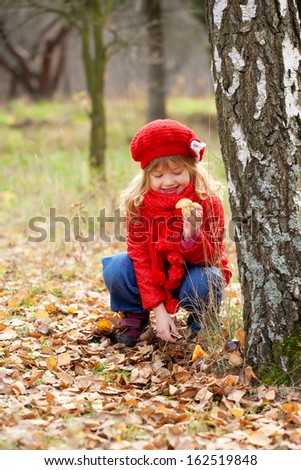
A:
x: 192, y: 235
x: 159, y: 309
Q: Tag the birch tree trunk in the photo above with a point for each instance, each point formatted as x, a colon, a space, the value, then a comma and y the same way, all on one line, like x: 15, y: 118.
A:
x: 256, y: 65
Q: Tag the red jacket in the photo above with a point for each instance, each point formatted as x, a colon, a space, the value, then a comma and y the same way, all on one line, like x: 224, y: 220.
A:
x: 154, y: 242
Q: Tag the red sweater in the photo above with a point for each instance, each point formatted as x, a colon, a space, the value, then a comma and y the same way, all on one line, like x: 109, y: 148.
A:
x: 154, y: 238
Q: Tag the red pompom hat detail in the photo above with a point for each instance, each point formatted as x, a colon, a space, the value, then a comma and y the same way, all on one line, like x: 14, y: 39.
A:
x: 165, y: 138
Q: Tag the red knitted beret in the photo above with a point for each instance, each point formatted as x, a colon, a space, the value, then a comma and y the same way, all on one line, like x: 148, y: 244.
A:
x: 165, y: 138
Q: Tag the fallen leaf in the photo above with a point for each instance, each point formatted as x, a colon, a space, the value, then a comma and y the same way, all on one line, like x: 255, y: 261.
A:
x: 13, y: 303
x: 33, y: 379
x: 105, y: 326
x: 270, y: 395
x: 237, y: 412
x: 198, y: 352
x: 259, y: 438
x: 173, y: 390
x: 249, y: 373
x: 18, y: 387
x: 182, y: 376
x: 65, y: 378
x: 64, y: 359
x: 72, y: 308
x: 51, y: 363
x: 41, y: 314
x: 236, y: 395
x: 240, y: 335
x: 49, y: 397
x: 9, y: 333
x: 290, y: 408
x: 235, y: 359
x: 229, y: 381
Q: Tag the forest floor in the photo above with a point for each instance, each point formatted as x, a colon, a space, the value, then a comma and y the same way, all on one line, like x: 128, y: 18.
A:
x: 65, y: 385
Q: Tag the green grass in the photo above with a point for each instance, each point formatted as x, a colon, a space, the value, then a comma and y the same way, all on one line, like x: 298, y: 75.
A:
x: 45, y: 152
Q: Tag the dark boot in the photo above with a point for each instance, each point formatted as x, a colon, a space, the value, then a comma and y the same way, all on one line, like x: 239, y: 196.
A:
x: 131, y: 327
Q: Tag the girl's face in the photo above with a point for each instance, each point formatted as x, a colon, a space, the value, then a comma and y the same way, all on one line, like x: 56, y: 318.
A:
x: 169, y: 180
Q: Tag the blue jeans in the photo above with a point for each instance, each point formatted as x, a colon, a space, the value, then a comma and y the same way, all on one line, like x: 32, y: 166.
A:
x: 201, y: 286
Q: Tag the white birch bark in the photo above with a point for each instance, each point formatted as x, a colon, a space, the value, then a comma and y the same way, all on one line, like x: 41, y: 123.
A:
x: 256, y: 67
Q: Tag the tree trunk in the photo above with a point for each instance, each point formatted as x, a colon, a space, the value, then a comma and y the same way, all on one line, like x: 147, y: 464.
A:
x: 256, y: 70
x: 94, y: 55
x: 156, y: 72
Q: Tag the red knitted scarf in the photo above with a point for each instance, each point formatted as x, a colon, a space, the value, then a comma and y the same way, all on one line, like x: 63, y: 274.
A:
x: 155, y: 201
x: 165, y: 239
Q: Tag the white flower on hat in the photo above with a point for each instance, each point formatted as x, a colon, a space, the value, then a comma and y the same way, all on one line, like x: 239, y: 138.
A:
x: 197, y: 146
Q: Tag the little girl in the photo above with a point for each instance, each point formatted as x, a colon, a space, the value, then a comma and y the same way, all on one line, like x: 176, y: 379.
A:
x: 172, y: 260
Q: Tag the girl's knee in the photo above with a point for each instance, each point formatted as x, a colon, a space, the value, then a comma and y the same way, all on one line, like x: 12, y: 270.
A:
x: 203, y: 282
x: 118, y: 272
x: 113, y: 266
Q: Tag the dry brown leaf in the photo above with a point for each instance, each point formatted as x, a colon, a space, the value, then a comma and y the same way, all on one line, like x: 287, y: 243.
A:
x: 33, y: 379
x: 270, y: 394
x: 9, y: 333
x: 65, y: 378
x: 173, y: 390
x: 235, y: 359
x: 64, y: 359
x: 49, y: 397
x: 230, y: 380
x: 259, y: 438
x: 147, y: 335
x: 198, y: 353
x: 182, y: 376
x: 240, y: 335
x: 203, y: 394
x: 41, y: 314
x: 236, y: 395
x: 249, y: 373
x: 18, y: 387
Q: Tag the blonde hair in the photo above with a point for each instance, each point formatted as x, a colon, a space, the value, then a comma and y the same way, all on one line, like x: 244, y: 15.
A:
x: 132, y: 196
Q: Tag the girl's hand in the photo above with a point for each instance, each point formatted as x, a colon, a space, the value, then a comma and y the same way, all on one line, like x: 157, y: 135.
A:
x: 164, y: 324
x: 192, y: 223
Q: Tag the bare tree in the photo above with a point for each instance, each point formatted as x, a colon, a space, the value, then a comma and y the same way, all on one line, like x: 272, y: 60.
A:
x: 40, y: 67
x: 256, y: 55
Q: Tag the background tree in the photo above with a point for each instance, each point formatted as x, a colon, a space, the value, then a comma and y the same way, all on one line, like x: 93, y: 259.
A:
x: 256, y: 57
x: 156, y: 61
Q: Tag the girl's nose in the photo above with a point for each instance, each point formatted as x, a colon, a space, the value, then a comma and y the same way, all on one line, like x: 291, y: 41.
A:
x: 169, y: 180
